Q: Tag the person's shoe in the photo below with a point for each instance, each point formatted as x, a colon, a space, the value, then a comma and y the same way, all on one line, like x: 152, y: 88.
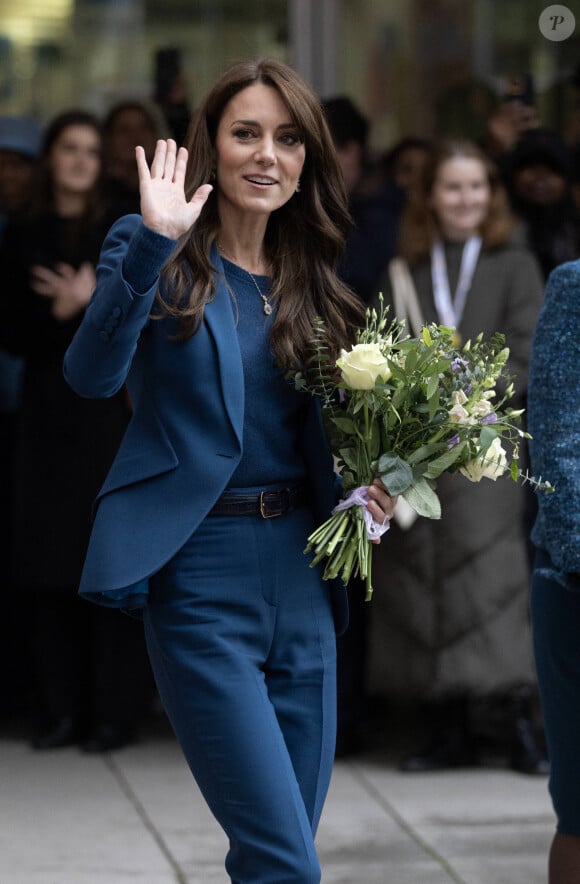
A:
x: 446, y: 752
x: 66, y: 732
x: 526, y: 755
x: 106, y: 738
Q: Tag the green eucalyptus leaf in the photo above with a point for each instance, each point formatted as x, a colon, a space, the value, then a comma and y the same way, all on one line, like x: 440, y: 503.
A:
x: 395, y: 473
x: 486, y: 437
x: 444, y: 461
x: 346, y: 424
x: 432, y: 385
x: 421, y: 497
x: 350, y: 457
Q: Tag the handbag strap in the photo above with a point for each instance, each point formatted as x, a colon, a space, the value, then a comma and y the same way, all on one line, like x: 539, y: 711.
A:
x: 405, y: 301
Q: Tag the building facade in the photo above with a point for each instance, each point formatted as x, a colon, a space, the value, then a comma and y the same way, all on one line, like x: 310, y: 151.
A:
x: 417, y: 67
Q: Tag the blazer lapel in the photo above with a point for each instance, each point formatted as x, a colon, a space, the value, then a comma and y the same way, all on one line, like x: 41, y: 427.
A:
x: 220, y: 321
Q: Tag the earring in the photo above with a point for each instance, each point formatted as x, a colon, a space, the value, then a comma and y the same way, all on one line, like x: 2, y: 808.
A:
x: 298, y: 186
x: 212, y: 175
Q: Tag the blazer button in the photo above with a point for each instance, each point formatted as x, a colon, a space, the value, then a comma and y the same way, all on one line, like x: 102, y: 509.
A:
x: 116, y: 311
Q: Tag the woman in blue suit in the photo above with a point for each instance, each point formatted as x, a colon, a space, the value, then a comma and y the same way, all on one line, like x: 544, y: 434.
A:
x: 202, y: 304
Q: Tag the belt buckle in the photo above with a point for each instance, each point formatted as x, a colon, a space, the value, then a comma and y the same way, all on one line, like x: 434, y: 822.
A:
x: 263, y: 512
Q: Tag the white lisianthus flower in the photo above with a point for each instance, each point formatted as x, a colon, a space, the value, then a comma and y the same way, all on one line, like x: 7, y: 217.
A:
x: 481, y: 408
x: 489, y: 466
x: 362, y: 366
x: 459, y: 415
x: 458, y: 397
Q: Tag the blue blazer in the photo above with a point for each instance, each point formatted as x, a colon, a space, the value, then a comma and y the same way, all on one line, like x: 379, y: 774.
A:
x: 184, y: 440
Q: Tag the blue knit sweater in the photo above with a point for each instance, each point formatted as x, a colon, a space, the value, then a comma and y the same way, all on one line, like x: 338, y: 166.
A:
x: 273, y: 409
x: 554, y: 422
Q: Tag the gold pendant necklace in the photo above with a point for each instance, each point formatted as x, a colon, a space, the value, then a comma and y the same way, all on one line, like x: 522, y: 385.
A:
x: 267, y: 307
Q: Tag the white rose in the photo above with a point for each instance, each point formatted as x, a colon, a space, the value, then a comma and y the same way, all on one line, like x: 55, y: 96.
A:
x: 362, y: 366
x: 489, y: 466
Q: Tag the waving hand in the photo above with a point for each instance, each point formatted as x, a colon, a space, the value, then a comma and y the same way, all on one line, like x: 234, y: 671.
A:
x: 164, y: 207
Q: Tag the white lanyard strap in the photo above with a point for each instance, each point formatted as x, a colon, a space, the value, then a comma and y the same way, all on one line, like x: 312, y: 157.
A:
x: 450, y: 311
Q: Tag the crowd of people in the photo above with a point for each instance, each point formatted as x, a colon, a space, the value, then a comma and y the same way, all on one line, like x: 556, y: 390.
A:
x: 450, y: 230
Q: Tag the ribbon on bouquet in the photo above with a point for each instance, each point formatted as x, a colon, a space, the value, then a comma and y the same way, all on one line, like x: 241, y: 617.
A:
x: 360, y: 497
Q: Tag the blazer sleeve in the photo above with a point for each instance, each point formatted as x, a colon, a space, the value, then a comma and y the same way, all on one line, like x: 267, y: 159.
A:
x: 99, y: 357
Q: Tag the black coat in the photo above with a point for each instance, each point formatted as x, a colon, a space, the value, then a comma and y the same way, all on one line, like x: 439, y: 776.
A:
x: 65, y: 444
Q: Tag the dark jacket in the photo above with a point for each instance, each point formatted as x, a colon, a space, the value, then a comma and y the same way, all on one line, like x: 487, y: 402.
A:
x: 64, y: 444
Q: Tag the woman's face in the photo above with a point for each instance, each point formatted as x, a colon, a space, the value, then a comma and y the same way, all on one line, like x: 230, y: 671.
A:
x: 75, y: 159
x: 259, y: 152
x: 460, y: 197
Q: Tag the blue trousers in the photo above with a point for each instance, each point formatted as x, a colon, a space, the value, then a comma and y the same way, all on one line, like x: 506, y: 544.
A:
x: 556, y: 631
x: 241, y: 639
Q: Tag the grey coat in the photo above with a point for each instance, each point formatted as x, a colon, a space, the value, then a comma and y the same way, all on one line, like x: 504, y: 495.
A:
x: 450, y: 609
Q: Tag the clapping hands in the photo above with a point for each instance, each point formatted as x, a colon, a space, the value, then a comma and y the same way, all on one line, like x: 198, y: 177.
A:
x: 69, y: 289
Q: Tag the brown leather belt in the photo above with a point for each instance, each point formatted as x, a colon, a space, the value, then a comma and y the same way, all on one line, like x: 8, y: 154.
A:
x: 267, y: 504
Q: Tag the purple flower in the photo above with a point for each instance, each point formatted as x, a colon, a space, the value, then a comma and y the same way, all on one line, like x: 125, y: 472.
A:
x: 455, y: 440
x: 490, y: 418
x: 458, y: 364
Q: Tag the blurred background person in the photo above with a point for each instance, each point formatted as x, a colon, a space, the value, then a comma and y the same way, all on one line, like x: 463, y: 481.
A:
x: 171, y: 92
x: 404, y: 162
x: 88, y: 664
x: 450, y: 625
x: 20, y: 139
x: 515, y: 114
x: 375, y: 205
x: 375, y: 212
x: 127, y: 123
x: 539, y: 176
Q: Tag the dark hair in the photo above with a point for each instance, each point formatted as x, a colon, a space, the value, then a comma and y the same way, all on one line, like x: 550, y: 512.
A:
x: 345, y: 121
x: 412, y: 142
x: 129, y: 104
x: 304, y: 238
x: 44, y: 198
x: 419, y: 227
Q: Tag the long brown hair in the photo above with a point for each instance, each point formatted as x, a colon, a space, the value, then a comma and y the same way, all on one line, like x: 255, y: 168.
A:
x: 44, y: 197
x: 419, y: 226
x: 304, y: 238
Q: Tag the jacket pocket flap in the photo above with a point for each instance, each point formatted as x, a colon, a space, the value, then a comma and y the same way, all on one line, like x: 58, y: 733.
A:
x: 145, y: 452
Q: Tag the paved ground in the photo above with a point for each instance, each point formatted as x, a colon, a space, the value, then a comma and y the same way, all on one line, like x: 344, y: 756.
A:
x: 136, y: 817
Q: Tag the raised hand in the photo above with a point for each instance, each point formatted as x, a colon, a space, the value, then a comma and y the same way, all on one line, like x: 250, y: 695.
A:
x: 69, y: 289
x: 164, y: 207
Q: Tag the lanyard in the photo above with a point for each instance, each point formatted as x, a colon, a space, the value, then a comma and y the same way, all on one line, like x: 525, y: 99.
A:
x: 451, y: 311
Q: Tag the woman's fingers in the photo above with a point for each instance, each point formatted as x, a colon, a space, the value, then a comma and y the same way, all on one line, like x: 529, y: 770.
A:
x: 180, y: 165
x: 142, y: 166
x: 158, y: 164
x: 381, y: 505
x: 200, y: 196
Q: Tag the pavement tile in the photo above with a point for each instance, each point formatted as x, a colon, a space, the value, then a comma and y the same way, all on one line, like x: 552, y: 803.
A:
x: 137, y: 817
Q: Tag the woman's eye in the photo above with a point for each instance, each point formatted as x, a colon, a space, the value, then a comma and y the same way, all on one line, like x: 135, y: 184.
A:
x: 243, y: 134
x: 290, y: 139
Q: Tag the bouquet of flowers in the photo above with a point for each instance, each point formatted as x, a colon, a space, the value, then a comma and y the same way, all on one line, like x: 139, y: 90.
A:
x: 407, y: 410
